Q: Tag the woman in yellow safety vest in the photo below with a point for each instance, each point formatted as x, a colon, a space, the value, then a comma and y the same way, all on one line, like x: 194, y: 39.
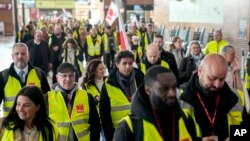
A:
x: 94, y: 78
x: 28, y: 118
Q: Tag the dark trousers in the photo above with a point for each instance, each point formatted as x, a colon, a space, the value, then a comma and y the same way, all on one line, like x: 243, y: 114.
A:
x: 109, y: 60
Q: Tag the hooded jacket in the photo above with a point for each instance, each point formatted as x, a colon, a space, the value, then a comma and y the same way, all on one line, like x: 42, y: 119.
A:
x: 227, y: 100
x: 141, y: 110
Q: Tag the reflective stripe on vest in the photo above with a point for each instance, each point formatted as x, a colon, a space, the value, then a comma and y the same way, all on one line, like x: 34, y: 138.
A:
x: 13, y: 86
x: 151, y: 133
x: 120, y: 106
x: 79, y: 115
x: 163, y: 64
x: 94, y: 49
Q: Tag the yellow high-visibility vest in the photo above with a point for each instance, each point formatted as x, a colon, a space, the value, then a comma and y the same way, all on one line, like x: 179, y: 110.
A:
x: 13, y: 86
x: 150, y: 132
x: 163, y: 64
x: 94, y: 49
x: 79, y: 118
x: 120, y: 106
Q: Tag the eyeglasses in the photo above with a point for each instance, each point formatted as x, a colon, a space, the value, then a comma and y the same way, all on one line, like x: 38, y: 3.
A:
x: 72, y: 75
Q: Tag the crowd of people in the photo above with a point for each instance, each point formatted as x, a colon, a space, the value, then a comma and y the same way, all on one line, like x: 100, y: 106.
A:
x: 150, y: 93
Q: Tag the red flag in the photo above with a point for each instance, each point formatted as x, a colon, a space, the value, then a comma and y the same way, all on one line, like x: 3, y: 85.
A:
x: 122, y: 34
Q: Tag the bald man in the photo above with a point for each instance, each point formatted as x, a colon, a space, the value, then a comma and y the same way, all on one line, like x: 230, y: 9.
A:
x: 211, y: 102
x: 216, y: 45
x: 152, y: 58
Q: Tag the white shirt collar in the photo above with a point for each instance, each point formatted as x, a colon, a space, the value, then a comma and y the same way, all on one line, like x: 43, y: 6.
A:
x: 18, y: 70
x: 37, y: 42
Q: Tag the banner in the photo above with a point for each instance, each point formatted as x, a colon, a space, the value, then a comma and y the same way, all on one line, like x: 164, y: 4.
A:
x: 112, y: 13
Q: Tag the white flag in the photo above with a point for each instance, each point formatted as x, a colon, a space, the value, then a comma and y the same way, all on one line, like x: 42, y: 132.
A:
x: 112, y: 13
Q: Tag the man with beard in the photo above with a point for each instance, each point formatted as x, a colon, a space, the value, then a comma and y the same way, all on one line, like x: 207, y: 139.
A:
x: 211, y: 102
x: 20, y: 74
x: 155, y: 112
x: 117, y: 92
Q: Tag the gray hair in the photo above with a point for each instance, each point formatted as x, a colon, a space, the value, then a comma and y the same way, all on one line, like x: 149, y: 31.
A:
x: 19, y: 44
x: 225, y: 49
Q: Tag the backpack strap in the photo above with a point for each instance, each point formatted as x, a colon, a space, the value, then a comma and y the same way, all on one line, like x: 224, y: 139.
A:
x: 5, y: 75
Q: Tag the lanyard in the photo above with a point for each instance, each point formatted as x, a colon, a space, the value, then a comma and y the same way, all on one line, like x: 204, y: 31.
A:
x: 160, y: 129
x: 211, y: 121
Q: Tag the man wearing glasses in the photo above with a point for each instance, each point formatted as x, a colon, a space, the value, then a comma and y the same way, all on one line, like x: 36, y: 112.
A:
x: 72, y: 109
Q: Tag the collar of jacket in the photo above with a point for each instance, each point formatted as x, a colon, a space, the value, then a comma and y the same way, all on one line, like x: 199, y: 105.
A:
x: 148, y: 64
x: 141, y: 107
x: 13, y: 73
x: 112, y: 79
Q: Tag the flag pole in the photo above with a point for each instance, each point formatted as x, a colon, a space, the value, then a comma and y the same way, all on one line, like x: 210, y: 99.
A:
x: 122, y: 34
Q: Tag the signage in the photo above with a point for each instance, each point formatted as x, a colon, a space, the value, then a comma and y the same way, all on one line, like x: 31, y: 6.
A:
x: 42, y: 4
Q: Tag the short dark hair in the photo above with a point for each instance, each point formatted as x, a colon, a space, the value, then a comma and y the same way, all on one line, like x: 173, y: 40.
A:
x: 249, y: 43
x: 123, y: 54
x: 159, y: 36
x: 151, y: 74
x: 65, y: 67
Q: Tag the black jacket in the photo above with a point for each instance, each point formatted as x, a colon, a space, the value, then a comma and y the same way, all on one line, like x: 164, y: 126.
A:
x: 41, y: 51
x: 105, y: 114
x: 169, y: 58
x: 44, y: 83
x: 186, y: 68
x: 226, y: 101
x: 148, y: 64
x: 141, y: 109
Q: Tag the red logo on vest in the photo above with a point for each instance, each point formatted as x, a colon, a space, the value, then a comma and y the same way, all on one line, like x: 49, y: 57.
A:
x: 79, y: 108
x: 186, y: 139
x: 31, y: 84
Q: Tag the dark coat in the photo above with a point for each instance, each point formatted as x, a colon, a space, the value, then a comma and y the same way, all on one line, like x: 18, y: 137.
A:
x: 44, y: 54
x: 105, y: 107
x: 227, y: 100
x: 169, y: 58
x: 186, y: 68
x: 141, y: 110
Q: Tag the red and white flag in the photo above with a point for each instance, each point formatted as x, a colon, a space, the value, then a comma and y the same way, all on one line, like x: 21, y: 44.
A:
x: 112, y: 13
x: 122, y: 34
